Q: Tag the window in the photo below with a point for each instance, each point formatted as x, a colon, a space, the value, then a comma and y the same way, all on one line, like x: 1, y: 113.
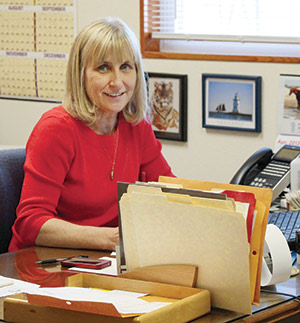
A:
x: 236, y: 30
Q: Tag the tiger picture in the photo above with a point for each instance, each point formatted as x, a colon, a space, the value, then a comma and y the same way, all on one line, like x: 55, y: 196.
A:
x: 164, y: 115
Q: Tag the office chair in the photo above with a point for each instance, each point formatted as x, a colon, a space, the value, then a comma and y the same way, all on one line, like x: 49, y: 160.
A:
x: 11, y: 180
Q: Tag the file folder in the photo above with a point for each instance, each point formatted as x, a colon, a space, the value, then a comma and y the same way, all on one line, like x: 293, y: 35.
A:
x: 165, y: 228
x: 263, y: 200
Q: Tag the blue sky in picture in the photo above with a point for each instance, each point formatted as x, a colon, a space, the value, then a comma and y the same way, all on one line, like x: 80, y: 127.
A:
x: 223, y: 92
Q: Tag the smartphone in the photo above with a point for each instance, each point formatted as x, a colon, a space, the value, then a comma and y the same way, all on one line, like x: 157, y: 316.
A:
x: 85, y: 263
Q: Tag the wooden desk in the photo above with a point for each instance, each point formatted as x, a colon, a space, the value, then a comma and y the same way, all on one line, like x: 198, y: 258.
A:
x: 21, y: 265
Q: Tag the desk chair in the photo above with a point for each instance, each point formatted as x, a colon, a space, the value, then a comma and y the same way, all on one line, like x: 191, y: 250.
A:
x: 11, y: 180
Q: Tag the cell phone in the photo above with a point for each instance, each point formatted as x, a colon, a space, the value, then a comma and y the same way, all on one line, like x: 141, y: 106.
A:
x: 85, y: 263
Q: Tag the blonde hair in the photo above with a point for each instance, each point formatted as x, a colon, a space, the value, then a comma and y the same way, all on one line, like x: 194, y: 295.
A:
x: 93, y: 44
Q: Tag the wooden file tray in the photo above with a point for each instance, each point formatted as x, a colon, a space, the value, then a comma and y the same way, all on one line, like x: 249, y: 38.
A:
x: 183, y: 275
x: 189, y: 303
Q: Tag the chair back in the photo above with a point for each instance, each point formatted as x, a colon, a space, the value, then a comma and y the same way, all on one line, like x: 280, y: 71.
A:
x: 11, y: 180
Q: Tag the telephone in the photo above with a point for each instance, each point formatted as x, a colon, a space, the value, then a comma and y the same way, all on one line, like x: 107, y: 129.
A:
x: 266, y: 169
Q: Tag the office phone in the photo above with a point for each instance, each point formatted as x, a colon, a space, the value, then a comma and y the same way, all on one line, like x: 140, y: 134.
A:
x: 267, y: 169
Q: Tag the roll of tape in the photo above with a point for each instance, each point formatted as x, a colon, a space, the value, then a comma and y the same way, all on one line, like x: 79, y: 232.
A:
x: 277, y: 260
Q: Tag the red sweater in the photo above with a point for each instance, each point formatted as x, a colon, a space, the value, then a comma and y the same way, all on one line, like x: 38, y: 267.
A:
x: 67, y: 172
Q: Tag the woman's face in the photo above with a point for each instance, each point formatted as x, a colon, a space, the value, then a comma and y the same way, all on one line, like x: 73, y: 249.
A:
x: 110, y: 85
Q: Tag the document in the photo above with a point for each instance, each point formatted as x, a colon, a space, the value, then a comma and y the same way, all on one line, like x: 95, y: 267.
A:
x: 9, y: 286
x: 124, y: 302
x: 247, y: 199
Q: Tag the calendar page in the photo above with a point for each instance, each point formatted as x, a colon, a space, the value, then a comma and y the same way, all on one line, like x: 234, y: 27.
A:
x: 35, y: 39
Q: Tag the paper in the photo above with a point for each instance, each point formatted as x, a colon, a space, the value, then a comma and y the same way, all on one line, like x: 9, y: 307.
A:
x: 161, y: 184
x: 245, y: 198
x: 261, y: 194
x: 277, y: 260
x: 125, y: 302
x: 15, y: 286
x: 215, y: 203
x: 5, y: 281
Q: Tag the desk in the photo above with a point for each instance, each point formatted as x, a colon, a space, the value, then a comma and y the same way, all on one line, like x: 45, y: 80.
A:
x: 21, y: 265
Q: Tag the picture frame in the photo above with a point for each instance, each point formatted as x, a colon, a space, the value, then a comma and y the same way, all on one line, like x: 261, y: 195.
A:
x: 167, y: 95
x: 289, y: 105
x: 231, y: 102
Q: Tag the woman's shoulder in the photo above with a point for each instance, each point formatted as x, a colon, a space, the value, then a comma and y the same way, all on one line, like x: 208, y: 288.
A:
x: 57, y: 113
x: 56, y: 117
x: 55, y: 127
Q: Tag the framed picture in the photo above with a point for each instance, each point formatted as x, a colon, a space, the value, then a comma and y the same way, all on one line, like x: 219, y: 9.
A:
x: 167, y: 95
x: 231, y: 102
x: 289, y: 105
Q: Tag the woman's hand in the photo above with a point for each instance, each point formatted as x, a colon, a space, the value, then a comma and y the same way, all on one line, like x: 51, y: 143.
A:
x: 109, y: 237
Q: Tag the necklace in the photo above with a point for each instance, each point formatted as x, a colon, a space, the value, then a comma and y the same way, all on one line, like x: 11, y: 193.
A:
x: 115, y: 155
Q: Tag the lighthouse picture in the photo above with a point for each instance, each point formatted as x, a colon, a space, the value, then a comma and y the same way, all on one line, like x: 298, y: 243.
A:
x: 236, y: 104
x: 231, y: 102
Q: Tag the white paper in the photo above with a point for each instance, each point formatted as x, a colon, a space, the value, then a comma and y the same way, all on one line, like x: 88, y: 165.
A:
x: 5, y: 281
x: 124, y: 302
x: 16, y: 286
x: 277, y: 249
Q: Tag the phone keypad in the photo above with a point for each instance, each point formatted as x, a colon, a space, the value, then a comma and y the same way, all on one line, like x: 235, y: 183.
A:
x: 271, y: 174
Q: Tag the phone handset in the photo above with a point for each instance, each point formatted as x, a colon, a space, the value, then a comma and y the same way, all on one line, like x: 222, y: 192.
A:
x: 252, y: 166
x: 267, y: 170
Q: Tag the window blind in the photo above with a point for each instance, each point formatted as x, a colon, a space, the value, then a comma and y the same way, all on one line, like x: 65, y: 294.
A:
x: 265, y: 21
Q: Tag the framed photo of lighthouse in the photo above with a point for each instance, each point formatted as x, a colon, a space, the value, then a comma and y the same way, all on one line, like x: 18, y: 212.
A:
x: 231, y: 102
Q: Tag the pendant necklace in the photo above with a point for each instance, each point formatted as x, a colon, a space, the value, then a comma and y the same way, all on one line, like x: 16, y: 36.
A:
x: 115, y: 155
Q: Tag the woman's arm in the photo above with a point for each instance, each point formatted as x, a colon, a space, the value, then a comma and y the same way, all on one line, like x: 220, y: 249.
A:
x: 54, y: 173
x: 60, y: 233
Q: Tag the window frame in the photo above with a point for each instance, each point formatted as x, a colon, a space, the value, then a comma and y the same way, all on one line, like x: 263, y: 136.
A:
x: 150, y: 48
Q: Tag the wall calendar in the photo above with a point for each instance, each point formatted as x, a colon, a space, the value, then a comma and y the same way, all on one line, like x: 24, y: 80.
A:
x: 35, y: 40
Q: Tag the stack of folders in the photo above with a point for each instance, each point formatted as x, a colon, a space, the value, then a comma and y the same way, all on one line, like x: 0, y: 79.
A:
x: 218, y: 227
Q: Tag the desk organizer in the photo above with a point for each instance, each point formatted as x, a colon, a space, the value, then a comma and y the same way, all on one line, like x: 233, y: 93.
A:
x: 189, y: 303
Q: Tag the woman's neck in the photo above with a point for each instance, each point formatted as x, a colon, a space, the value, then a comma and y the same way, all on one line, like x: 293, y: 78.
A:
x: 105, y: 124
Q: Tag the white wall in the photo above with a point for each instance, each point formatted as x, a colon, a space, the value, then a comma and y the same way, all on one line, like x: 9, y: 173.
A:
x: 208, y: 154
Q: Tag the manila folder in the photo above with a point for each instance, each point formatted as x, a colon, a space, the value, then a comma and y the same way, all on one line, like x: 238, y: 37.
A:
x: 163, y: 232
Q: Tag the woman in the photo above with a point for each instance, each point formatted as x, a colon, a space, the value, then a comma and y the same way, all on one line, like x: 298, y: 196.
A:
x: 78, y: 152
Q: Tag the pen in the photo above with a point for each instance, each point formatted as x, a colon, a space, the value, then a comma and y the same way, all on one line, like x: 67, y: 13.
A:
x: 49, y: 261
x: 54, y: 260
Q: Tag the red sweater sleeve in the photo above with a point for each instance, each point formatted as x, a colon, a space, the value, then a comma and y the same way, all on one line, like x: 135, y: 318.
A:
x: 44, y: 177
